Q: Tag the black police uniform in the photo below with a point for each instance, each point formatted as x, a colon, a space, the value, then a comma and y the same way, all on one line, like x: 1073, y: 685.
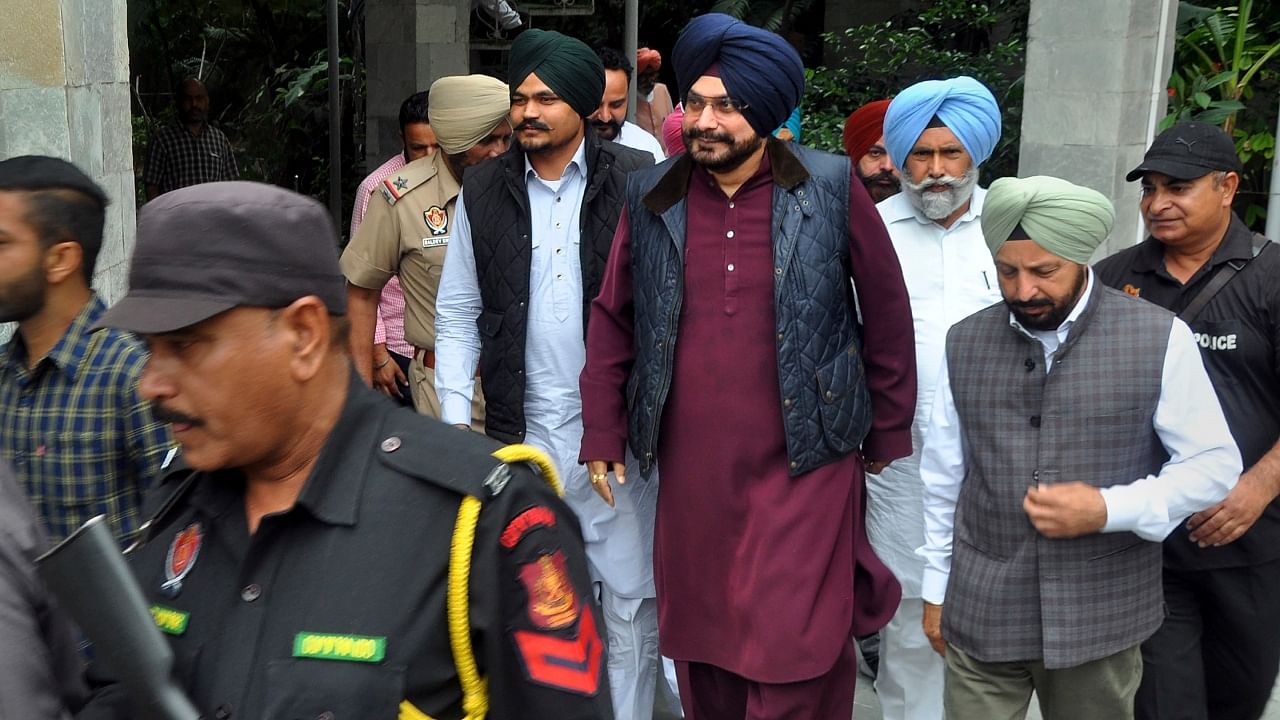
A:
x: 1217, y: 654
x: 336, y: 608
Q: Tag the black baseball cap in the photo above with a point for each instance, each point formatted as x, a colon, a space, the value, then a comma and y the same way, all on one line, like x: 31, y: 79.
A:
x: 205, y: 249
x: 1189, y: 150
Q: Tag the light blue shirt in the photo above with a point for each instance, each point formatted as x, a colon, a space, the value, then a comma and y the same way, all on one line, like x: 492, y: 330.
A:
x: 554, y: 347
x: 618, y: 540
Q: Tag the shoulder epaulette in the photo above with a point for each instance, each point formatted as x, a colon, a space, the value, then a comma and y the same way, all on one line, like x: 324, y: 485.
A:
x: 399, y: 183
x: 436, y: 453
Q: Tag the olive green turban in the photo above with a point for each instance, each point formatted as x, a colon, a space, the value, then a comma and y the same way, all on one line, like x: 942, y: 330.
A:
x: 565, y: 64
x: 464, y: 109
x: 1067, y: 220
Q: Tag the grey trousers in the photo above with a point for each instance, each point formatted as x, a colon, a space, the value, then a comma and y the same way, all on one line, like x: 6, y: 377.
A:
x: 1099, y: 690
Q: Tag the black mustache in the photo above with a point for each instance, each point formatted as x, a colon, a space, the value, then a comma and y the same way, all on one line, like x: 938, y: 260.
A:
x: 534, y: 124
x: 1022, y: 305
x: 708, y: 135
x: 884, y: 176
x: 165, y: 415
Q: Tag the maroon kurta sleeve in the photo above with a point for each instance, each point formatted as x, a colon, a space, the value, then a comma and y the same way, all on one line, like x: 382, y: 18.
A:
x: 888, y: 350
x: 610, y: 353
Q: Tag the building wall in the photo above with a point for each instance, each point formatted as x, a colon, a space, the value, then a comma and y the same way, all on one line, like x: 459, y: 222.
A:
x: 408, y: 44
x: 64, y: 91
x: 1095, y: 90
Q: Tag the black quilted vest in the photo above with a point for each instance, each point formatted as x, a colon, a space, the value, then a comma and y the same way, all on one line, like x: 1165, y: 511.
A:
x: 826, y: 410
x: 498, y: 209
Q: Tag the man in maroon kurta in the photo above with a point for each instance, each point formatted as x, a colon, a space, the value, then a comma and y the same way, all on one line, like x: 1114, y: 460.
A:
x: 762, y: 567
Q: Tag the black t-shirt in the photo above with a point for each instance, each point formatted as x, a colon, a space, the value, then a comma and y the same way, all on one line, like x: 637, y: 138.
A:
x: 1239, y: 337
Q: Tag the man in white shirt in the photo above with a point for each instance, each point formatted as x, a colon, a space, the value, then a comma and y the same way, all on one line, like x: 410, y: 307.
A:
x: 1073, y: 428
x: 939, y: 133
x: 610, y: 119
x: 531, y: 235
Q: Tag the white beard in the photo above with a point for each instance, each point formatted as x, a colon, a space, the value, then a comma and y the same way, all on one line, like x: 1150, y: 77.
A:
x: 939, y: 205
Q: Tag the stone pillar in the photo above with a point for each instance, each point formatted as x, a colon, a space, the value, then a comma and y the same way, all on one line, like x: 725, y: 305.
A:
x: 1095, y: 91
x: 408, y: 44
x: 64, y: 91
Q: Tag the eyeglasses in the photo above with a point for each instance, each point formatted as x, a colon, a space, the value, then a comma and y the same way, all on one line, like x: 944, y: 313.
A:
x: 723, y: 106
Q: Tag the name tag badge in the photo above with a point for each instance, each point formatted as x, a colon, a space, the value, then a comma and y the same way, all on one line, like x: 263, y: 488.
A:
x: 170, y: 621
x: 432, y: 242
x: 346, y: 648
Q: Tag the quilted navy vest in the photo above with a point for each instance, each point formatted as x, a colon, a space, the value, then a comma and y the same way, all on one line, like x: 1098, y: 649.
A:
x: 826, y: 408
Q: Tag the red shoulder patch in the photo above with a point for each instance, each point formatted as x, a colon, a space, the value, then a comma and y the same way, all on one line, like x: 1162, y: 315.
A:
x: 524, y: 522
x: 572, y: 665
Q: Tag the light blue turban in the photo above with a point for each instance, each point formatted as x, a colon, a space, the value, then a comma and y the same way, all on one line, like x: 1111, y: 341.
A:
x: 963, y: 104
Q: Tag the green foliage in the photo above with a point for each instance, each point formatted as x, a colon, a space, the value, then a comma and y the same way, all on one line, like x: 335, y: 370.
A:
x: 947, y: 39
x: 265, y: 63
x: 1224, y: 55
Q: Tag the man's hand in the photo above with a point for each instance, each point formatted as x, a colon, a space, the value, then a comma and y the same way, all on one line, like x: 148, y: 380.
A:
x: 598, y: 474
x: 875, y: 467
x: 1065, y: 510
x: 1225, y: 522
x: 933, y: 627
x: 387, y: 375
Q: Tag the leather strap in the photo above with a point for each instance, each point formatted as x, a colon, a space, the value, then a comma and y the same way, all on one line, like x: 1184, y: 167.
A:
x: 1221, y: 277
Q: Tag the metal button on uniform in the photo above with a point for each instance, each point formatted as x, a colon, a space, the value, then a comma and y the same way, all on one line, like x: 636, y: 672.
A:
x: 1035, y: 421
x: 729, y: 234
x: 730, y: 268
x: 251, y: 592
x: 731, y: 205
x: 779, y: 337
x: 793, y: 464
x: 390, y: 444
x: 777, y: 271
x: 828, y: 396
x: 786, y: 403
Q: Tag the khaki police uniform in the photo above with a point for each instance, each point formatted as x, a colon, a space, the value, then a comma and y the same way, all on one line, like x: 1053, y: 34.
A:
x: 405, y: 232
x: 344, y: 605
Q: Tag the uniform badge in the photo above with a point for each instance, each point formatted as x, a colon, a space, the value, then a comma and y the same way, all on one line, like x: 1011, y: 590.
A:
x: 181, y: 557
x: 1134, y: 291
x: 437, y: 220
x: 552, y: 601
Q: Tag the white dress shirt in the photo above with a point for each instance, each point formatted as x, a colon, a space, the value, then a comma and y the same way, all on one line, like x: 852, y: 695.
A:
x: 634, y: 136
x: 1203, y: 466
x: 949, y: 276
x: 618, y: 540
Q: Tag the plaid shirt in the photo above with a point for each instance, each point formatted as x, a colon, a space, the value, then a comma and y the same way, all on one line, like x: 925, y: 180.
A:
x: 177, y: 159
x: 75, y: 430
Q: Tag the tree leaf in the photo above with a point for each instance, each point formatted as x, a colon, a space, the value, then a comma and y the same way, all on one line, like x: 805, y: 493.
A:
x: 1202, y: 99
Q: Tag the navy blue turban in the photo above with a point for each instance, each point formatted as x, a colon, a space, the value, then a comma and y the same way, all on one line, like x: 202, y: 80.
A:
x: 757, y: 67
x: 963, y: 104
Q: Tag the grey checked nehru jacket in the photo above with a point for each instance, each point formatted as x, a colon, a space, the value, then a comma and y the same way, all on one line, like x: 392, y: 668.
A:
x: 1013, y: 594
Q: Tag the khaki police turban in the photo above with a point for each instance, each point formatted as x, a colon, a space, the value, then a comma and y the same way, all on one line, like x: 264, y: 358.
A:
x: 464, y: 109
x: 1067, y: 220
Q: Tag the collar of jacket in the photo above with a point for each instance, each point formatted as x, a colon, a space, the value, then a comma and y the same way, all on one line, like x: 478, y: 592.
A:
x: 599, y: 157
x: 788, y: 172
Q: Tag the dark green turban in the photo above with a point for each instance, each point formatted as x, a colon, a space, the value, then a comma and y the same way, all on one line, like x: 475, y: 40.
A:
x: 565, y: 64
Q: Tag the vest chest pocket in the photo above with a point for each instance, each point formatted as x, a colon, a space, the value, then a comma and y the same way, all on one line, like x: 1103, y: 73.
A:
x: 306, y: 688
